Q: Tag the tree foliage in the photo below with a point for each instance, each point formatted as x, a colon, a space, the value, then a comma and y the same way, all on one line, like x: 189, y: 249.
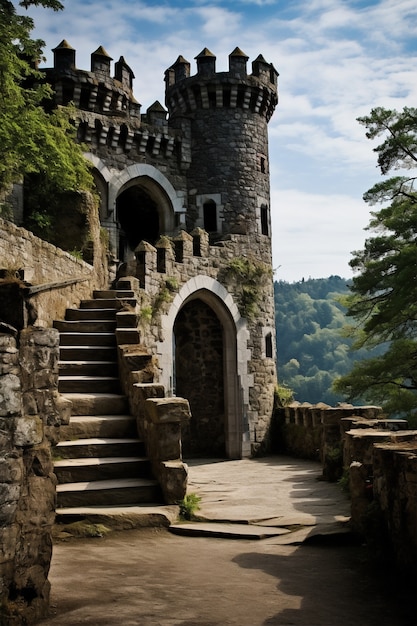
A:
x: 32, y: 140
x: 383, y: 299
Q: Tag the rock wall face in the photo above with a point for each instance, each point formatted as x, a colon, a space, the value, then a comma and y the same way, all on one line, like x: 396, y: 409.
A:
x: 31, y: 412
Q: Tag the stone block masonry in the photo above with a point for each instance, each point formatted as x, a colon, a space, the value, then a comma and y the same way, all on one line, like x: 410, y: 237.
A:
x: 40, y: 264
x: 376, y: 459
x: 31, y: 412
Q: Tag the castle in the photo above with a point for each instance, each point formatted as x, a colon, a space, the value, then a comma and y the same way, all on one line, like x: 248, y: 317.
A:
x: 184, y: 196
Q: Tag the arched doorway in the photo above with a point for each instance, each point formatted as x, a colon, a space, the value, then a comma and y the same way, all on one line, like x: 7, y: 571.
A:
x: 138, y: 217
x: 199, y: 377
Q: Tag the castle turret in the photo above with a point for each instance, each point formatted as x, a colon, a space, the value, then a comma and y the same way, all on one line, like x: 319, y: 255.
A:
x: 206, y: 63
x: 100, y: 62
x: 123, y: 73
x: 64, y: 56
x: 226, y: 116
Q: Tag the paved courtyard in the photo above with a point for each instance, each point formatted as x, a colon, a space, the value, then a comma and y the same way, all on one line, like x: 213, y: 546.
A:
x: 293, y: 562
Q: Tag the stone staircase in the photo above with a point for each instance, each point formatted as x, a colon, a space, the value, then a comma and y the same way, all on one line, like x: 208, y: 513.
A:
x: 100, y: 462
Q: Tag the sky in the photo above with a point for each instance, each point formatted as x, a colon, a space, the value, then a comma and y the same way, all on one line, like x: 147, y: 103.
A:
x: 337, y: 60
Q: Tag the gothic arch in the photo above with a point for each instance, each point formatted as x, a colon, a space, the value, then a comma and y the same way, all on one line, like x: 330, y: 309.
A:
x: 235, y: 354
x: 152, y: 178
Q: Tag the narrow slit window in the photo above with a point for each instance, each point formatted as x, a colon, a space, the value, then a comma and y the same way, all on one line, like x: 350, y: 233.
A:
x: 210, y: 216
x: 268, y: 346
x: 264, y: 220
x: 161, y: 260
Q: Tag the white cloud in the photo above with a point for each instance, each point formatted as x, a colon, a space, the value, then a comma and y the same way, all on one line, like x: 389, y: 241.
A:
x: 337, y: 60
x: 314, y: 234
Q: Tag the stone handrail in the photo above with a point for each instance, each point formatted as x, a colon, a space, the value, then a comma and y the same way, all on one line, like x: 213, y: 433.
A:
x: 31, y: 290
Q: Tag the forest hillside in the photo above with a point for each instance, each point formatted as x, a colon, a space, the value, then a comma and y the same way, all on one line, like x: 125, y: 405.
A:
x: 311, y: 349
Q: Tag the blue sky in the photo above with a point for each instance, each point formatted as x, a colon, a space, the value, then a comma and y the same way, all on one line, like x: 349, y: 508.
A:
x: 337, y: 60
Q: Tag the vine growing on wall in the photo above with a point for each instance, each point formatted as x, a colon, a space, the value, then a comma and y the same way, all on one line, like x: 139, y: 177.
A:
x: 166, y: 293
x: 250, y: 276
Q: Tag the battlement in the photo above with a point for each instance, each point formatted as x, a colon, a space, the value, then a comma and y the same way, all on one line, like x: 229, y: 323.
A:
x: 94, y: 90
x: 208, y: 89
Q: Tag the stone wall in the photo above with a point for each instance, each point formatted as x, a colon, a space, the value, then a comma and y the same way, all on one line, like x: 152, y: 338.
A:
x: 316, y: 432
x: 376, y: 458
x: 31, y: 412
x: 160, y: 420
x: 395, y: 492
x: 175, y: 263
x: 382, y: 475
x: 44, y: 264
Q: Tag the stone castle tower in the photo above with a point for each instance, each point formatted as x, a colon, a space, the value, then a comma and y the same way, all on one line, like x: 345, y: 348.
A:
x: 185, y: 199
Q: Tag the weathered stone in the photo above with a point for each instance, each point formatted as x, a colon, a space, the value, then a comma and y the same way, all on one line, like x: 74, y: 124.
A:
x: 168, y: 410
x: 174, y: 480
x: 11, y: 468
x: 29, y: 431
x: 10, y: 395
x: 7, y: 515
x: 8, y: 541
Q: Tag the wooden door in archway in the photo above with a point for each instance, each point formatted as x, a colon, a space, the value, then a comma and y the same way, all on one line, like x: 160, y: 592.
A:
x: 199, y: 377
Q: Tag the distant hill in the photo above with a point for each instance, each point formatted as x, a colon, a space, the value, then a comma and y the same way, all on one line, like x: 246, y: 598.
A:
x: 311, y: 350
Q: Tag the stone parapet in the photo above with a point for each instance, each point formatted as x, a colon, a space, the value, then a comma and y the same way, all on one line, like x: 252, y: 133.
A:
x: 375, y: 457
x: 394, y: 483
x: 209, y: 89
x: 317, y: 432
x: 160, y: 421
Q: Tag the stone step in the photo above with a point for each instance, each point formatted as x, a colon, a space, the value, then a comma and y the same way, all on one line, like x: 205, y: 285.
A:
x: 87, y: 327
x: 98, y: 469
x: 226, y: 530
x: 128, y: 335
x: 88, y: 368
x: 97, y: 403
x: 105, y: 294
x: 108, y: 492
x: 88, y: 353
x: 89, y: 384
x: 90, y: 314
x: 101, y: 303
x: 121, y: 517
x: 127, y: 319
x: 87, y: 339
x: 99, y: 447
x: 99, y: 426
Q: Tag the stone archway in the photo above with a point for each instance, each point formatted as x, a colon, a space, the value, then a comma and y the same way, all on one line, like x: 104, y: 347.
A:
x: 231, y: 331
x: 199, y: 377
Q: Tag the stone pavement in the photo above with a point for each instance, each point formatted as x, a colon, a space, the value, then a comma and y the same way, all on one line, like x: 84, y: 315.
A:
x: 266, y: 497
x: 296, y: 575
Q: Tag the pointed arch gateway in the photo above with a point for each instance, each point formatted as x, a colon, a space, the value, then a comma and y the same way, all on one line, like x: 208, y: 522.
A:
x: 144, y: 205
x: 208, y: 366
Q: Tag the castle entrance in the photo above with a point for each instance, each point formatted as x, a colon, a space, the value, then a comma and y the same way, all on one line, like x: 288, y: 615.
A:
x: 199, y: 376
x: 137, y: 215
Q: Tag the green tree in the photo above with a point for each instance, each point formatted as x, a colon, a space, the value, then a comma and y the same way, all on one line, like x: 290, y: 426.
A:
x: 33, y: 140
x: 383, y: 299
